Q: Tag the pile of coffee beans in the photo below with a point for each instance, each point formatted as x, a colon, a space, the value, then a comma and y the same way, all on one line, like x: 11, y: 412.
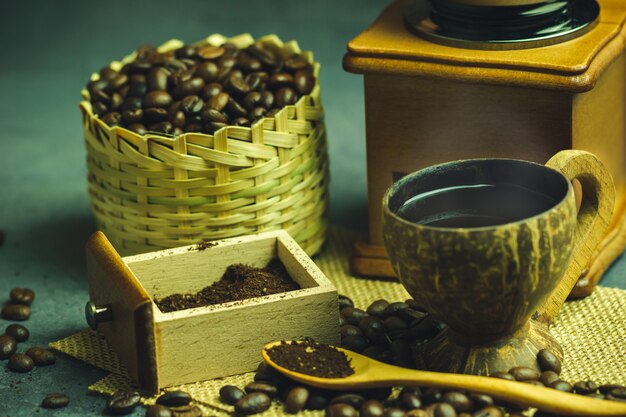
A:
x: 18, y: 309
x: 199, y: 88
x: 375, y: 332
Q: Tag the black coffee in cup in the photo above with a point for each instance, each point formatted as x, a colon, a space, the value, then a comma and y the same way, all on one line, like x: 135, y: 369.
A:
x: 475, y: 205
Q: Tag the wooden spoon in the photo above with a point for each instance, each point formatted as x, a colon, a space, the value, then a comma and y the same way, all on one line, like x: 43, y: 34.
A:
x: 369, y: 373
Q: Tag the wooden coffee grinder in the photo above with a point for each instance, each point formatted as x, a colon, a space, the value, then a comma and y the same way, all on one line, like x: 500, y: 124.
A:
x: 457, y: 79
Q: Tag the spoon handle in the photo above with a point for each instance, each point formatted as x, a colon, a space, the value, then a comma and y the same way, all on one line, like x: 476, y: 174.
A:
x: 546, y: 399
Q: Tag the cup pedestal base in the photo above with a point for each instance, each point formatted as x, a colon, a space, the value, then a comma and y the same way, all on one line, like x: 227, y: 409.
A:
x: 451, y: 352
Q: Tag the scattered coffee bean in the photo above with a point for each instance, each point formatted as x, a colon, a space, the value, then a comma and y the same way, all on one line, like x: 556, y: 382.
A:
x: 394, y: 412
x: 606, y: 388
x: 355, y: 400
x: 585, y: 387
x: 617, y: 393
x: 409, y: 401
x: 458, y: 400
x: 444, y: 410
x: 22, y: 296
x: 253, y: 403
x: 55, y: 400
x: 230, y: 394
x: 186, y: 411
x: 481, y: 400
x: 296, y: 400
x: 158, y: 410
x: 174, y: 398
x: 41, y: 356
x: 16, y: 312
x: 372, y: 408
x: 523, y: 373
x: 8, y: 346
x: 122, y: 402
x: 20, y: 362
x: 548, y: 377
x: 548, y: 361
x: 489, y: 412
x: 562, y: 386
x: 503, y: 375
x: 341, y: 410
x: 269, y: 389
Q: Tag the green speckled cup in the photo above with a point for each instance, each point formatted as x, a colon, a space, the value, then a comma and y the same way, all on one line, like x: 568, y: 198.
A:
x: 486, y: 282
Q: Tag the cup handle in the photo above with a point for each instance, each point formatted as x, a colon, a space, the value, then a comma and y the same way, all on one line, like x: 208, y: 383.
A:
x: 593, y: 219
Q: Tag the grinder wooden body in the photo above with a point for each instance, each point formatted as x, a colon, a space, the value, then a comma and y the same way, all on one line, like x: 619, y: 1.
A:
x: 164, y: 349
x: 427, y: 103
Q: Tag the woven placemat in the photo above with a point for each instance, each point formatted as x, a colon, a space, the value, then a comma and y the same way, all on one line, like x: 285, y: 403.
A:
x: 592, y: 332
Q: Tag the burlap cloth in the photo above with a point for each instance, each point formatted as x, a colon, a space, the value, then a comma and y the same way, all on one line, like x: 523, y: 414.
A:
x: 592, y: 332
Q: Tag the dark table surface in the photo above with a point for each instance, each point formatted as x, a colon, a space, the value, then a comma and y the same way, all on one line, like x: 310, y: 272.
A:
x: 49, y: 49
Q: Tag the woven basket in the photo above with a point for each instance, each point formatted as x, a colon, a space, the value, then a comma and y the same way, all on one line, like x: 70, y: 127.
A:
x: 152, y: 192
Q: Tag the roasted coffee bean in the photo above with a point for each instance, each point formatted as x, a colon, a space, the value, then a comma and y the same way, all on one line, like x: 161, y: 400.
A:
x: 355, y: 400
x: 210, y: 52
x: 240, y: 121
x: 489, y: 412
x: 350, y: 330
x: 137, y: 128
x: 230, y: 394
x: 267, y: 58
x: 585, y: 387
x: 219, y: 101
x: 394, y: 412
x: 157, y: 79
x: 174, y: 65
x: 285, y: 97
x: 132, y: 116
x: 116, y: 82
x: 174, y: 398
x: 137, y: 90
x: 548, y: 361
x: 179, y: 77
x: 41, y: 356
x: 409, y: 401
x: 481, y: 400
x: 8, y: 346
x: 394, y: 308
x: 184, y: 52
x: 304, y: 82
x: 431, y: 396
x: 20, y: 362
x: 411, y: 315
x: 444, y: 410
x: 157, y: 98
x: 341, y: 410
x: 131, y: 103
x: 316, y: 401
x: 99, y: 108
x: 355, y: 343
x: 257, y: 113
x: 210, y: 128
x: 372, y: 327
x: 458, y: 400
x: 162, y: 127
x: 595, y: 395
x: 523, y: 373
x: 267, y: 101
x: 186, y: 411
x: 158, y: 410
x: 296, y: 399
x: 106, y: 73
x: 534, y: 382
x: 154, y: 115
x: 280, y: 80
x: 296, y: 63
x: 353, y: 315
x: 503, y: 375
x: 395, y: 323
x: 548, y: 377
x: 251, y: 100
x: 16, y: 312
x: 237, y: 86
x: 256, y: 80
x: 418, y: 412
x: 264, y: 387
x: 562, y: 386
x: 116, y: 101
x: 344, y: 302
x: 372, y: 408
x: 55, y: 400
x: 190, y: 87
x: 253, y: 403
x: 211, y: 115
x: 207, y: 71
x: 234, y: 109
x: 18, y: 332
x: 177, y: 119
x: 122, y: 402
x: 211, y: 90
x: 617, y: 393
x: 606, y: 388
x: 377, y: 308
x: 112, y: 119
x: 191, y: 105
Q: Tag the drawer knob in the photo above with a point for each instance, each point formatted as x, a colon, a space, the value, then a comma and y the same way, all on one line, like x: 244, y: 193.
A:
x: 97, y: 314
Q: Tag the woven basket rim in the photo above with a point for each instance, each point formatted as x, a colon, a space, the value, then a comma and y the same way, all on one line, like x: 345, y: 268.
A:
x: 213, y: 39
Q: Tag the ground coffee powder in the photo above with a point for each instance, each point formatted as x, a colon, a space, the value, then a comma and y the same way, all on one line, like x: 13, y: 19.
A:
x: 311, y: 358
x: 239, y: 282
